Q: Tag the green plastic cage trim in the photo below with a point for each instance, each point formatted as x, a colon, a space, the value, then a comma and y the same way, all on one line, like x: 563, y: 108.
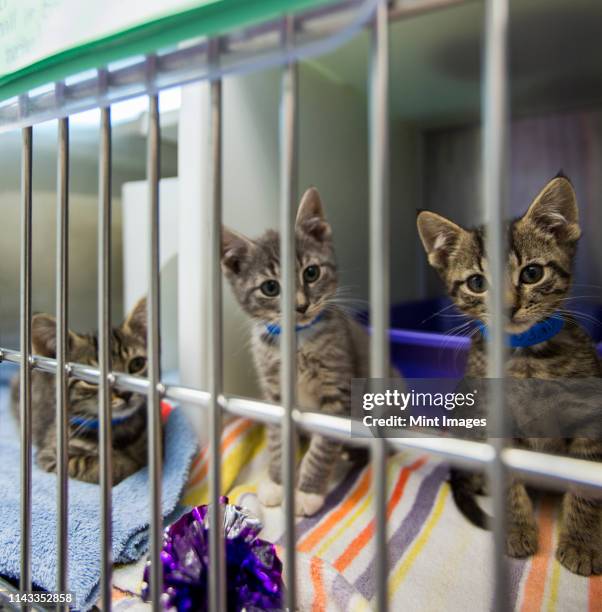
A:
x: 206, y: 20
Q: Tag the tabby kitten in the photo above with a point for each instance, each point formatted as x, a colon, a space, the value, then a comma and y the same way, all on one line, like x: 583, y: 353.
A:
x: 542, y: 245
x: 331, y: 348
x: 128, y: 345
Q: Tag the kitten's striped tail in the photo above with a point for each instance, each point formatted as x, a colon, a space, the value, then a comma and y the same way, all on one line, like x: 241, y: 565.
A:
x: 465, y: 498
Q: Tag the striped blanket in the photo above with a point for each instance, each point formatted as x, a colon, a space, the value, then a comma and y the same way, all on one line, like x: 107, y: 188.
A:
x: 437, y: 559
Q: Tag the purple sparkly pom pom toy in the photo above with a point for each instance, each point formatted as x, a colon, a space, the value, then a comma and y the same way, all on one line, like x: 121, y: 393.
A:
x: 253, y: 570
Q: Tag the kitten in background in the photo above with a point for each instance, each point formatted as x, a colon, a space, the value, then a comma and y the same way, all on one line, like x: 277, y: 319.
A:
x: 128, y: 354
x: 332, y: 348
x: 542, y: 245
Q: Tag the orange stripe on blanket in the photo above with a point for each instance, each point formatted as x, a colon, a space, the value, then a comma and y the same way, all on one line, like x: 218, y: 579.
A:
x: 314, y: 536
x: 356, y: 546
x: 595, y: 594
x: 536, y: 580
x: 317, y: 581
x: 227, y: 441
x: 197, y: 460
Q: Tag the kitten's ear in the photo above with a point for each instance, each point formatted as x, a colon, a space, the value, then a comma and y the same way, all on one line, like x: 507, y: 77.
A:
x: 439, y: 236
x: 235, y: 248
x: 310, y: 216
x: 43, y: 336
x: 555, y: 210
x: 136, y: 321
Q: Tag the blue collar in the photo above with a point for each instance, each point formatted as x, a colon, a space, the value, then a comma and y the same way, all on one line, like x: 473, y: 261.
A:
x: 94, y: 424
x: 273, y: 329
x: 540, y: 332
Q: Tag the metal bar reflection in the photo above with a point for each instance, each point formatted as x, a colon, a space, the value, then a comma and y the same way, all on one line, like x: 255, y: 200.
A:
x: 62, y: 347
x: 494, y: 153
x: 217, y: 589
x: 25, y: 373
x: 288, y: 357
x: 557, y: 471
x: 379, y: 273
x: 104, y: 354
x: 155, y: 454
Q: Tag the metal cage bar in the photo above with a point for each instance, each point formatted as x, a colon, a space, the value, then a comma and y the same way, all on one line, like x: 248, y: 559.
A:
x: 249, y: 49
x: 288, y: 357
x: 104, y: 355
x: 155, y: 455
x: 494, y: 95
x: 378, y: 160
x: 62, y: 345
x: 25, y: 373
x: 217, y: 588
x: 533, y: 466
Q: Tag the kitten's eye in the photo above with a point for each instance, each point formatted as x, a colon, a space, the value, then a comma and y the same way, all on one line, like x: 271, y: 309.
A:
x: 311, y: 274
x: 477, y: 283
x: 136, y: 365
x: 271, y: 288
x: 530, y: 274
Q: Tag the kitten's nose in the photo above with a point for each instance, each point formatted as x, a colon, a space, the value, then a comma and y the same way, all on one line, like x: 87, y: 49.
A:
x: 302, y: 308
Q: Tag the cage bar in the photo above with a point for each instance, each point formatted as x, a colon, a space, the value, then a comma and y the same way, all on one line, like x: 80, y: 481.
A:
x: 379, y: 274
x: 533, y: 466
x: 249, y: 49
x: 217, y: 585
x: 155, y: 455
x: 104, y: 355
x: 494, y: 178
x: 25, y: 373
x: 288, y: 357
x: 62, y: 344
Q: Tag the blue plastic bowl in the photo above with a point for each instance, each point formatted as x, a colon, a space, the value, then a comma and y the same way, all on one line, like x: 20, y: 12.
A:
x: 423, y: 345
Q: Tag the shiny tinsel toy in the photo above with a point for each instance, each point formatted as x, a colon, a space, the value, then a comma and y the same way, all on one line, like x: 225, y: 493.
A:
x: 253, y: 570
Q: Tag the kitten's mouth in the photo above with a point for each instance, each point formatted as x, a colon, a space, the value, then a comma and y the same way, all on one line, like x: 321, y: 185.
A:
x: 519, y: 326
x: 308, y: 317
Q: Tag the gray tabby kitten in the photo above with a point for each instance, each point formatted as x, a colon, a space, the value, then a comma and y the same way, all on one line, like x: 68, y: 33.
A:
x: 331, y: 348
x: 542, y: 245
x: 128, y: 409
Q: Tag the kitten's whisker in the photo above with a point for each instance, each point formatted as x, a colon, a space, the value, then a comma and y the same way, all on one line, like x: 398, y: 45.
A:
x: 470, y: 335
x: 438, y: 313
x: 579, y: 315
x: 587, y: 285
x: 81, y: 427
x: 455, y: 332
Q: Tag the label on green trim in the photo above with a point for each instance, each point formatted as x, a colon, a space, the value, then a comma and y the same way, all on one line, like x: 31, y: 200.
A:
x: 31, y: 30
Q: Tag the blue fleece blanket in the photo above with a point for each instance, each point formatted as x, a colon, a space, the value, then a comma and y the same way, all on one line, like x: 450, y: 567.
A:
x: 130, y: 508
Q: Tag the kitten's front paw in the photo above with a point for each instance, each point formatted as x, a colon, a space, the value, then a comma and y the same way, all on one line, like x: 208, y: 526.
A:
x: 521, y: 541
x: 83, y: 467
x: 307, y: 504
x: 578, y: 557
x: 269, y: 493
x: 46, y: 459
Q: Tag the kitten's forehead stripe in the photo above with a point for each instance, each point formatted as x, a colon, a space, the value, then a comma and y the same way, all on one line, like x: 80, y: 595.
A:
x: 558, y: 269
x: 456, y: 287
